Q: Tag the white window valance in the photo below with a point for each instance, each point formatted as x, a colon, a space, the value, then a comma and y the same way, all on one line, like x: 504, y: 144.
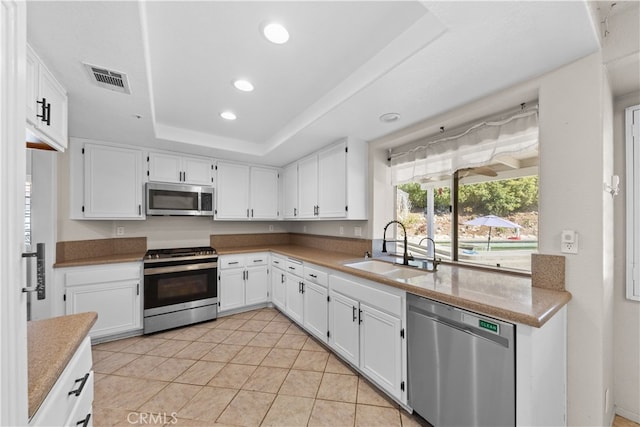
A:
x: 479, y: 145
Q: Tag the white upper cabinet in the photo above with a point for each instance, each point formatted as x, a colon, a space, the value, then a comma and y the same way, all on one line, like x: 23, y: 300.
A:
x: 246, y: 192
x: 308, y: 187
x: 47, y: 104
x: 167, y: 167
x: 106, y: 182
x: 290, y: 187
x: 331, y: 183
x: 264, y: 193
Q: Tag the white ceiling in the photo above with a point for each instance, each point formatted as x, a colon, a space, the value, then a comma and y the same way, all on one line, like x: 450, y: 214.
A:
x: 346, y: 64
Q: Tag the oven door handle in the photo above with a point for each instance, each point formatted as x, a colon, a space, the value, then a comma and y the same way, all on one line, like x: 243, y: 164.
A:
x: 179, y: 268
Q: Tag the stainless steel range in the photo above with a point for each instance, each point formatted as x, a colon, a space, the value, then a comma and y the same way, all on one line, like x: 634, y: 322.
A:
x: 180, y: 287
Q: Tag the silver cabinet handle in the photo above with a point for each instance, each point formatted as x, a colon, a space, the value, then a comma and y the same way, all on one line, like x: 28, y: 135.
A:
x: 40, y: 271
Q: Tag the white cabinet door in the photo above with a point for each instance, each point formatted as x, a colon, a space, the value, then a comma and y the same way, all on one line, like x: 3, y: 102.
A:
x: 264, y: 193
x: 232, y: 191
x: 294, y: 298
x: 196, y: 171
x: 381, y: 348
x: 117, y: 304
x: 55, y: 126
x: 332, y: 182
x: 32, y: 87
x: 256, y: 285
x: 231, y: 293
x: 164, y: 167
x: 308, y: 187
x: 112, y: 182
x: 278, y: 288
x: 316, y: 310
x: 344, y: 327
x: 290, y: 186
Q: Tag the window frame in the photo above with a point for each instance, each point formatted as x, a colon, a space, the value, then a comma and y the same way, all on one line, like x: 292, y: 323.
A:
x: 632, y: 145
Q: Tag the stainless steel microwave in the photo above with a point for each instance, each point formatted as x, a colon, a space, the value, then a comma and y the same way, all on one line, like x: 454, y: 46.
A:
x: 179, y: 199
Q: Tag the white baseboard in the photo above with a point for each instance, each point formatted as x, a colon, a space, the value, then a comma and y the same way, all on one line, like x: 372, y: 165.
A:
x: 633, y: 416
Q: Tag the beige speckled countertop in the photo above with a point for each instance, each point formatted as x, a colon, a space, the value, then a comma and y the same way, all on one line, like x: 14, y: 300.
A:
x: 51, y: 343
x: 506, y: 296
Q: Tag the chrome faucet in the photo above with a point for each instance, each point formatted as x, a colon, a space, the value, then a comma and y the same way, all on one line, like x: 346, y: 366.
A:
x: 435, y: 260
x: 405, y: 256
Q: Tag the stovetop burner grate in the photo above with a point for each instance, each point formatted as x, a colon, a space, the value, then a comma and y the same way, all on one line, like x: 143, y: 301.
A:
x: 180, y: 252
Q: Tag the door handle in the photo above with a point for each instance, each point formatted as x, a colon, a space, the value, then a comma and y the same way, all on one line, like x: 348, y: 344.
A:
x: 359, y: 316
x: 40, y: 271
x: 354, y: 314
x: 82, y: 382
x: 282, y: 280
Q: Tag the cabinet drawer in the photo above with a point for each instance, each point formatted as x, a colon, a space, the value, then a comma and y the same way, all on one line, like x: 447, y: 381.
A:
x: 278, y: 262
x: 294, y: 266
x: 371, y: 293
x: 315, y: 275
x: 257, y: 259
x: 231, y: 261
x: 75, y: 381
x: 77, y: 276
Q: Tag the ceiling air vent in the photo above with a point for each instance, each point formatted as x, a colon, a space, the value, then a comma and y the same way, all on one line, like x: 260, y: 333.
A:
x: 108, y: 79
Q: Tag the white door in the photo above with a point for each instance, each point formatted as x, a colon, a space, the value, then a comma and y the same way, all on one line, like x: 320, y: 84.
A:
x: 307, y: 187
x: 232, y: 191
x: 256, y: 285
x: 381, y: 349
x: 112, y: 195
x: 278, y: 283
x: 197, y: 171
x: 165, y: 168
x: 294, y: 298
x: 264, y: 193
x: 316, y: 310
x: 231, y: 293
x: 117, y: 305
x: 332, y: 182
x: 13, y: 302
x: 344, y: 327
x: 290, y: 186
x: 56, y: 98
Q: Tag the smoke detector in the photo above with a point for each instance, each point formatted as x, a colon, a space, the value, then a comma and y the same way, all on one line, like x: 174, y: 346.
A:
x: 108, y: 79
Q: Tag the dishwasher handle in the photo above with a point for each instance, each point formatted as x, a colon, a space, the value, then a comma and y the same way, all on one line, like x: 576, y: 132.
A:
x: 476, y: 332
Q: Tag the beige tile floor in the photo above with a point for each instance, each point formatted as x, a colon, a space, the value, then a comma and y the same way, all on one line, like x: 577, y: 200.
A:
x: 250, y: 369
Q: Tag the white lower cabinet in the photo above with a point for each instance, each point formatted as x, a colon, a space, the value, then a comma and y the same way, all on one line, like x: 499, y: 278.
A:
x: 113, y: 291
x: 294, y: 298
x: 243, y: 280
x: 365, y: 328
x: 278, y: 282
x: 69, y: 403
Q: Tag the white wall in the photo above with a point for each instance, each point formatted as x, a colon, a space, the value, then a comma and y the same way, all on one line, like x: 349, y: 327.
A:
x: 626, y: 320
x: 575, y: 156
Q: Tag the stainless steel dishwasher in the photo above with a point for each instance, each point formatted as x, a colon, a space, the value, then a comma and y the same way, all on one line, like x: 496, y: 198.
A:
x: 461, y: 366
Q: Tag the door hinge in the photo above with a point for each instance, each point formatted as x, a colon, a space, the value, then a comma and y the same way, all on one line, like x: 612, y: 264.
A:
x: 82, y: 208
x: 215, y: 211
x: 402, y: 333
x: 328, y: 298
x: 138, y: 289
x: 147, y: 173
x: 402, y: 386
x: 83, y: 151
x: 346, y: 208
x: 346, y: 149
x: 212, y: 167
x: 147, y: 159
x: 64, y: 297
x: 216, y: 167
x: 328, y: 334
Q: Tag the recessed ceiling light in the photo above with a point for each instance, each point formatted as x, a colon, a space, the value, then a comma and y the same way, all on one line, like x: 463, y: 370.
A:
x: 275, y: 33
x: 389, y: 117
x: 243, y: 85
x: 228, y: 115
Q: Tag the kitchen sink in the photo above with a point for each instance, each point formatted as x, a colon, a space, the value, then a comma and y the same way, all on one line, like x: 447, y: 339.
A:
x: 373, y: 266
x: 386, y: 269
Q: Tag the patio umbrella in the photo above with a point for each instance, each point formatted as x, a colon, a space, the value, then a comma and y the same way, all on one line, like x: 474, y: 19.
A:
x: 492, y: 221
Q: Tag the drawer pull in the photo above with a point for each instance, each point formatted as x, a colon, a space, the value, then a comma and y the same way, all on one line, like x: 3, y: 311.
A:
x: 82, y: 381
x: 233, y: 262
x: 292, y: 268
x: 257, y: 260
x: 313, y: 275
x: 84, y: 422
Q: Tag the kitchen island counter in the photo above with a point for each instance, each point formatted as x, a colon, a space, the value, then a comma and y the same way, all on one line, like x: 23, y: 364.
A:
x: 499, y: 294
x: 51, y: 343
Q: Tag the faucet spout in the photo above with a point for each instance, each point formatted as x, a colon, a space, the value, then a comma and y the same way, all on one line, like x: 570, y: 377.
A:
x: 435, y: 260
x: 405, y: 255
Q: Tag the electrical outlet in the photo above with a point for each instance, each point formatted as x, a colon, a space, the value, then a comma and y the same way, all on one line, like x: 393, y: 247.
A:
x: 270, y: 227
x: 119, y: 231
x: 569, y: 242
x: 304, y: 228
x: 341, y: 230
x: 357, y: 231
